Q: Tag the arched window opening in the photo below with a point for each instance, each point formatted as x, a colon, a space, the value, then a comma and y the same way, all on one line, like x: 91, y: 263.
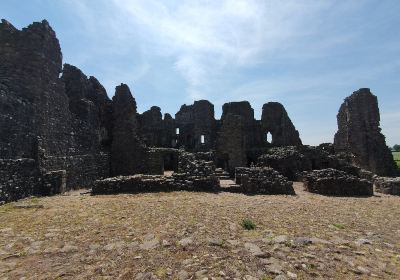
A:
x: 202, y: 139
x: 268, y: 137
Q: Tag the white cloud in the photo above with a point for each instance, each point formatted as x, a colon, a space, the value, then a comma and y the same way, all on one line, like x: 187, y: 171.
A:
x: 207, y: 37
x: 210, y: 43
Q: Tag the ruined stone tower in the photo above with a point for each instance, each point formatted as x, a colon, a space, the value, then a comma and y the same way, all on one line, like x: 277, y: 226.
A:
x: 359, y: 133
x: 127, y: 150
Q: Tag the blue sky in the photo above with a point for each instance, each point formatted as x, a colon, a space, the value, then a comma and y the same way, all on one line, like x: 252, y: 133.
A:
x: 308, y: 55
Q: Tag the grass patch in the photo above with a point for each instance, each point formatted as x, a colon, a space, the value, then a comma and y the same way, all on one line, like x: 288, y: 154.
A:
x: 248, y: 224
x: 6, y: 207
x: 33, y: 200
x: 396, y: 157
x: 162, y: 272
x: 338, y: 226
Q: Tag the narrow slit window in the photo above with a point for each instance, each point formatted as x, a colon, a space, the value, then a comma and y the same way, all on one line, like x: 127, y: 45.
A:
x: 202, y: 139
x: 177, y: 131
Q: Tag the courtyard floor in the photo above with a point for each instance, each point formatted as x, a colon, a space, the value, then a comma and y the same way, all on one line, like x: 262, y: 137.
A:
x: 183, y: 235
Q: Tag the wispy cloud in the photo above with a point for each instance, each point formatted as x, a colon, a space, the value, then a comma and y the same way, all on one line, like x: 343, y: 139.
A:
x: 305, y: 54
x: 205, y: 37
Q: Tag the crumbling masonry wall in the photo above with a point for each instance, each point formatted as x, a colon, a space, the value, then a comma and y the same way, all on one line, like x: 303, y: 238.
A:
x: 51, y: 122
x: 196, y: 123
x: 127, y: 150
x: 239, y: 133
x: 18, y: 179
x: 359, y: 133
x: 276, y: 121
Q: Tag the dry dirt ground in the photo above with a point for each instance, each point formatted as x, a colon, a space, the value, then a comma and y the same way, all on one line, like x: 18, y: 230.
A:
x: 183, y: 235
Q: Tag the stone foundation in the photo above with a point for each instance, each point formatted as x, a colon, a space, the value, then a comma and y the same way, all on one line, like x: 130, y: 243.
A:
x: 82, y: 170
x: 290, y: 161
x: 336, y: 183
x: 154, y: 183
x: 262, y: 181
x: 387, y: 185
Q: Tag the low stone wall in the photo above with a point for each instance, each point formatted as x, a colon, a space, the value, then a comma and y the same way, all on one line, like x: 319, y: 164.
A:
x: 81, y: 170
x: 335, y: 182
x: 255, y: 180
x: 290, y: 161
x: 154, y: 183
x: 192, y: 174
x: 18, y: 179
x: 387, y: 185
x: 160, y: 159
x: 54, y: 182
x: 155, y: 162
x: 193, y: 166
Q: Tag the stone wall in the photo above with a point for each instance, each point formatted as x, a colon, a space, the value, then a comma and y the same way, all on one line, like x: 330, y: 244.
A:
x: 127, y: 150
x: 151, y: 127
x: 264, y: 180
x: 276, y: 121
x: 231, y: 151
x: 387, y: 185
x: 251, y: 127
x: 196, y: 123
x: 159, y: 160
x: 91, y: 111
x: 238, y: 136
x: 336, y: 183
x: 18, y: 179
x: 153, y: 183
x: 81, y: 170
x: 58, y: 123
x: 33, y: 102
x: 157, y: 131
x: 169, y: 138
x: 292, y: 160
x: 359, y: 133
x: 54, y: 182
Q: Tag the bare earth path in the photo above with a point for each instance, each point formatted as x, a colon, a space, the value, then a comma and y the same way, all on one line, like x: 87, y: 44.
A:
x: 182, y: 235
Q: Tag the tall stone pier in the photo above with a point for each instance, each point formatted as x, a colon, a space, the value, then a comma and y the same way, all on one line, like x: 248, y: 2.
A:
x: 359, y: 133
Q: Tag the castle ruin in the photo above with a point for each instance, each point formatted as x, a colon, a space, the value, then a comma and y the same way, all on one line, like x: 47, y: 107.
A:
x: 59, y: 131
